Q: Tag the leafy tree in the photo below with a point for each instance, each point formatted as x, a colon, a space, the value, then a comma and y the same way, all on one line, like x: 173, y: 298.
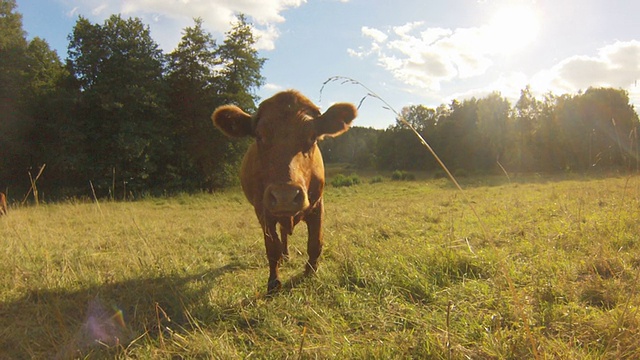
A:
x: 202, y: 76
x: 49, y: 103
x: 597, y: 129
x: 526, y: 115
x: 237, y: 78
x: 420, y: 117
x: 399, y: 149
x: 493, y: 120
x: 239, y: 75
x: 460, y: 136
x: 424, y: 120
x: 357, y: 146
x: 547, y: 144
x: 13, y: 44
x: 193, y: 94
x: 123, y: 103
x: 12, y: 79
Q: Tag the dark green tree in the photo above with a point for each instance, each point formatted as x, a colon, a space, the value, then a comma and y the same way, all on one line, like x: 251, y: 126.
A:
x: 13, y: 80
x: 493, y: 119
x: 193, y: 95
x: 357, y: 147
x: 420, y: 117
x: 525, y: 124
x: 424, y: 120
x: 460, y: 139
x: 399, y: 149
x: 50, y: 99
x: 547, y: 145
x: 202, y: 76
x: 239, y: 75
x: 606, y: 122
x: 122, y: 106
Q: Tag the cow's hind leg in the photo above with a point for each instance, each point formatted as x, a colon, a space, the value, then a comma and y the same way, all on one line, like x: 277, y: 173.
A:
x: 315, y: 241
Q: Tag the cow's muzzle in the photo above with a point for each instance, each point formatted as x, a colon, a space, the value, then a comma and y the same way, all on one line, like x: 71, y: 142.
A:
x: 285, y: 199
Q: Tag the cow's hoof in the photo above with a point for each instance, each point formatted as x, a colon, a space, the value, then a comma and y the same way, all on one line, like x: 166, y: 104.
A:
x: 310, y: 269
x: 273, y: 286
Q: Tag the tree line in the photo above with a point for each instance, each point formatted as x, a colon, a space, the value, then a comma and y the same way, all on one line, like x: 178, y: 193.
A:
x: 120, y: 116
x: 596, y: 130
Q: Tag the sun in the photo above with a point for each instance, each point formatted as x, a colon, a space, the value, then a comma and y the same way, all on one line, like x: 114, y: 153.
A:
x: 513, y: 27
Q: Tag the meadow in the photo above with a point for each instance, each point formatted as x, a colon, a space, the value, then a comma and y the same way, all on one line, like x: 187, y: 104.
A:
x: 526, y: 268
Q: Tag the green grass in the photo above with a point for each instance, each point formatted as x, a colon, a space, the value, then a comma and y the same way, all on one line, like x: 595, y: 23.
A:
x: 550, y: 272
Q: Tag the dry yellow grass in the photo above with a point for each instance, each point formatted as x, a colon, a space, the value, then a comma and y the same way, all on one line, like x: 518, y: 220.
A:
x: 407, y: 272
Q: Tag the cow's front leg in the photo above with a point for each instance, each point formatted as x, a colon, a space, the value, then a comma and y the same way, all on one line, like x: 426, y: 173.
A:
x: 274, y: 254
x: 315, y: 241
x: 284, y: 234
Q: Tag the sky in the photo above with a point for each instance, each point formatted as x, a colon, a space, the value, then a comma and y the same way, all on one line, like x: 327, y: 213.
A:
x: 407, y: 52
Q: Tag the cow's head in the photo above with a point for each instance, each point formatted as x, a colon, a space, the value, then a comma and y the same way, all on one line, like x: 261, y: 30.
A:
x: 286, y: 128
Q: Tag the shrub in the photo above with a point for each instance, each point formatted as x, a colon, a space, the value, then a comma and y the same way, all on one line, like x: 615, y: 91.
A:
x: 341, y: 180
x: 409, y: 176
x: 439, y: 174
x: 376, y: 179
x: 460, y: 173
x: 399, y: 175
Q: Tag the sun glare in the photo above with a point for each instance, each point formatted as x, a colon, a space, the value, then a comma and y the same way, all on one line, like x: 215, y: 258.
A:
x: 513, y: 28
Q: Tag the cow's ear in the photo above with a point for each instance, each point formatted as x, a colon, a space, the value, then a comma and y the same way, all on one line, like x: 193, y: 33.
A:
x: 232, y: 121
x: 336, y: 120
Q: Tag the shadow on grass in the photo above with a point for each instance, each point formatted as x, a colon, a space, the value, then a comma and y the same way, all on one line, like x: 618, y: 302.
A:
x: 70, y: 323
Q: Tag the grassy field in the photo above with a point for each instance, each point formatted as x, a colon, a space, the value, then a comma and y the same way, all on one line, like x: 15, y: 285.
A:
x: 548, y: 270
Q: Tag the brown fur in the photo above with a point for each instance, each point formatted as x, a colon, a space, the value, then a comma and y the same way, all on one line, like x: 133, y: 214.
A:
x: 282, y: 173
x: 3, y: 204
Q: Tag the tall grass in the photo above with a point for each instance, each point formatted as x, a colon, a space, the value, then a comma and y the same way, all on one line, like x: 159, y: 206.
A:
x: 406, y: 272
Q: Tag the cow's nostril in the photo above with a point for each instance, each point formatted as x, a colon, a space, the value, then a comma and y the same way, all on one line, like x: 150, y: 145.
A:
x: 273, y: 201
x: 299, y: 198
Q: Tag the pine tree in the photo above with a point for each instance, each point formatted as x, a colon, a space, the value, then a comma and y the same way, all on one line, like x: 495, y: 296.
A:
x: 239, y: 75
x: 192, y: 83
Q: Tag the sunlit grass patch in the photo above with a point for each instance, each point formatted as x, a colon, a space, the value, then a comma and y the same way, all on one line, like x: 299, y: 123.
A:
x: 549, y: 269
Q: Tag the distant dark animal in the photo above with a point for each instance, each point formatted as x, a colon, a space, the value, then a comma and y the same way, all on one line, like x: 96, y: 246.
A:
x: 282, y: 173
x: 3, y: 204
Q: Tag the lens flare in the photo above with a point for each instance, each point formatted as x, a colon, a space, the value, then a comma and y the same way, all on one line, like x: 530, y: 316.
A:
x: 102, y: 327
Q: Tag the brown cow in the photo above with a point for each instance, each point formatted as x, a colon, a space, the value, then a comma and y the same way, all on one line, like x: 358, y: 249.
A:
x: 3, y: 204
x: 282, y: 172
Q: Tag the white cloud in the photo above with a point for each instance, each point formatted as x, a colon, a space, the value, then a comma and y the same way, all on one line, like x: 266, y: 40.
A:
x: 72, y: 12
x: 616, y: 65
x: 375, y: 34
x: 508, y: 85
x: 99, y: 9
x: 427, y: 57
x: 218, y: 12
x: 403, y: 30
x: 167, y: 18
x: 266, y: 37
x: 272, y: 87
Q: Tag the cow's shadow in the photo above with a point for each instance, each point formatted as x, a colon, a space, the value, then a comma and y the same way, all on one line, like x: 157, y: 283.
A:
x: 61, y: 324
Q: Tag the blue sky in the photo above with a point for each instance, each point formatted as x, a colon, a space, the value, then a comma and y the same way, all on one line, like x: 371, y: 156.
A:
x: 407, y: 51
